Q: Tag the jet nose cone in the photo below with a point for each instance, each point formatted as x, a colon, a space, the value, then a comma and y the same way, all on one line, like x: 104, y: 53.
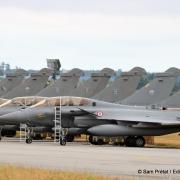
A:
x: 13, y: 118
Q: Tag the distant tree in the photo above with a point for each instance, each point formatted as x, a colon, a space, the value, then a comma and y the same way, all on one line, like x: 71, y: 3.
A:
x: 144, y: 80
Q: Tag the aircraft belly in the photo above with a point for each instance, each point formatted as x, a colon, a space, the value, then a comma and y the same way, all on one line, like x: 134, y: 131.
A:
x: 116, y: 130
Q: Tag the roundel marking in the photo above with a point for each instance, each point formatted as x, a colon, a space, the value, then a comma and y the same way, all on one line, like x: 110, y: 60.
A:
x: 99, y: 114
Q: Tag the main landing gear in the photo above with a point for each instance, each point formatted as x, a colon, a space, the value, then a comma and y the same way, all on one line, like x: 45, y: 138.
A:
x: 98, y: 141
x: 129, y: 141
x: 135, y: 141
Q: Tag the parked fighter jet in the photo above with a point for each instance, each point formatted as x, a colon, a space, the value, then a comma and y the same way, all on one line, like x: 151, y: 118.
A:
x: 30, y: 86
x: 155, y: 91
x: 122, y: 87
x: 92, y: 86
x: 67, y: 82
x: 97, y: 118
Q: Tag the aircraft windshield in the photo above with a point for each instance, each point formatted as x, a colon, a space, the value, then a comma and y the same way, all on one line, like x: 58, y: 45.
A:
x: 64, y: 101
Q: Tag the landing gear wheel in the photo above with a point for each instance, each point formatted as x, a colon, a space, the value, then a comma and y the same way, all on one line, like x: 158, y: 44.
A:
x: 139, y: 141
x: 130, y: 141
x: 62, y: 141
x: 29, y: 140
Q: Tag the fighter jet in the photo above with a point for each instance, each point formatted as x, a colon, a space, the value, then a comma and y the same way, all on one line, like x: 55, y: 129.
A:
x: 11, y: 81
x: 155, y: 91
x: 67, y: 82
x: 97, y: 118
x: 94, y: 85
x: 122, y: 87
x: 30, y: 86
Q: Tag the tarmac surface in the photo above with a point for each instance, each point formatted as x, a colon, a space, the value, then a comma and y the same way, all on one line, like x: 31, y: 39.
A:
x: 145, y: 163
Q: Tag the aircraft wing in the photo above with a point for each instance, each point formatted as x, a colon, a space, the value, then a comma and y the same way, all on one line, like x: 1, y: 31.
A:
x: 147, y: 120
x: 168, y: 118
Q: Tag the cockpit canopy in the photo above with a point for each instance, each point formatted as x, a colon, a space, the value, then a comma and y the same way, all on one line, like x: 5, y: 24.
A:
x: 64, y: 101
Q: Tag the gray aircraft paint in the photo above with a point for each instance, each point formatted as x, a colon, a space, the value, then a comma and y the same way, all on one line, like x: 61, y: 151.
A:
x: 115, y: 119
x: 122, y: 87
x: 95, y: 84
x: 67, y: 82
x: 115, y: 130
x: 30, y: 86
x: 11, y: 81
x: 155, y: 91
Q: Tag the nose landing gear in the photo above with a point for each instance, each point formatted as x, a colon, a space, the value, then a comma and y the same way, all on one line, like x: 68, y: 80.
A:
x: 28, y: 140
x: 29, y: 135
x: 62, y: 138
x: 62, y: 141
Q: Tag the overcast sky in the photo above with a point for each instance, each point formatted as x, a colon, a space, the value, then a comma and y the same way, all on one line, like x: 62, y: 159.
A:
x: 91, y: 34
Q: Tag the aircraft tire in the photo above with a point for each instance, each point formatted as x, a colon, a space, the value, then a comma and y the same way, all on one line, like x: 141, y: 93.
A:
x: 130, y: 141
x: 62, y: 141
x: 140, y: 141
x: 28, y: 140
